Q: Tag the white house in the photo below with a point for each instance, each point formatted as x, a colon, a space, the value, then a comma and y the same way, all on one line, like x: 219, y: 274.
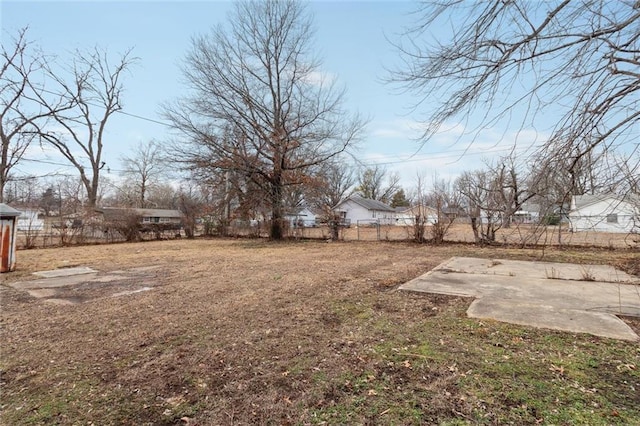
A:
x: 356, y: 210
x: 28, y: 221
x: 528, y: 213
x: 604, y: 213
x: 301, y: 218
x: 406, y: 216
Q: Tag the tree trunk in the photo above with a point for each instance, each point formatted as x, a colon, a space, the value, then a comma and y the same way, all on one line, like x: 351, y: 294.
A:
x: 277, y: 212
x: 4, y: 173
x: 474, y: 227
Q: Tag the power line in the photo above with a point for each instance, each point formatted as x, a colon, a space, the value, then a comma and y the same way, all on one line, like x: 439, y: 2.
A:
x: 140, y: 117
x: 427, y: 157
x: 69, y: 165
x: 143, y: 118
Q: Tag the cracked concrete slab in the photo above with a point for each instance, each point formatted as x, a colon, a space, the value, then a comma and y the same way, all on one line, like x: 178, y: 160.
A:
x: 527, y: 293
x: 65, y: 272
x: 70, y: 286
x: 543, y: 270
x: 54, y: 282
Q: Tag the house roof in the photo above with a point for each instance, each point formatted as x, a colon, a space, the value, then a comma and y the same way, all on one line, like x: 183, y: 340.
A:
x: 303, y: 211
x: 417, y: 210
x: 528, y: 207
x: 6, y: 211
x: 113, y: 212
x: 368, y: 203
x: 589, y: 199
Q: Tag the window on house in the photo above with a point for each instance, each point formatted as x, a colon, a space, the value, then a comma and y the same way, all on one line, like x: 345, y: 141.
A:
x: 146, y: 220
x: 612, y: 218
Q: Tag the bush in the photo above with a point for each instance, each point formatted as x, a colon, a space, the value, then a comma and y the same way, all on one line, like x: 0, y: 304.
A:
x: 128, y: 226
x: 551, y: 219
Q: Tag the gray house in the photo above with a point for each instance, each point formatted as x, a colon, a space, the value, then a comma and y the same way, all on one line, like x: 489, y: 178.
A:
x: 145, y: 216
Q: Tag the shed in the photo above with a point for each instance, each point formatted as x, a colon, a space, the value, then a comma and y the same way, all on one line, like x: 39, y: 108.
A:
x: 8, y: 217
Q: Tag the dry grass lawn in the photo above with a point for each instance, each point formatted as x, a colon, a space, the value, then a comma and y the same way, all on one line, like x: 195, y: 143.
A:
x: 255, y: 332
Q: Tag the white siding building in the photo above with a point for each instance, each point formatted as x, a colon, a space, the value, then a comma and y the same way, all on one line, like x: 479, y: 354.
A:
x: 407, y: 215
x: 28, y: 221
x: 604, y: 213
x: 302, y: 218
x: 362, y: 211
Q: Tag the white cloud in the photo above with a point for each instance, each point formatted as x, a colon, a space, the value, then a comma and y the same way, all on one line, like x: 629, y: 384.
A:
x: 450, y: 151
x: 320, y: 78
x: 397, y: 129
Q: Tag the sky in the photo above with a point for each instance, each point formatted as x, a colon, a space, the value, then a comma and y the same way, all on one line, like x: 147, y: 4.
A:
x: 353, y: 39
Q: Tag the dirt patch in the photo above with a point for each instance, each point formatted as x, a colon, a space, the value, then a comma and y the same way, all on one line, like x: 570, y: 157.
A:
x: 248, y: 332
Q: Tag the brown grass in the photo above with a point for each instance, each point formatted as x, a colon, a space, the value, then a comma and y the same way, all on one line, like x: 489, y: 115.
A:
x: 253, y: 332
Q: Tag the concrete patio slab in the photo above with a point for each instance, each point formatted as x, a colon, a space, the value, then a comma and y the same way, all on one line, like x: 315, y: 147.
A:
x: 540, y: 294
x: 54, y: 282
x: 532, y: 269
x: 574, y: 320
x: 65, y: 272
x: 70, y: 286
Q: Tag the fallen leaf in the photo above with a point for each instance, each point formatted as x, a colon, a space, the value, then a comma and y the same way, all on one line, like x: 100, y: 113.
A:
x: 557, y: 369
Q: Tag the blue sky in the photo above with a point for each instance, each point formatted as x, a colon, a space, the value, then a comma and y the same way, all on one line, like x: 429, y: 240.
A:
x: 351, y: 38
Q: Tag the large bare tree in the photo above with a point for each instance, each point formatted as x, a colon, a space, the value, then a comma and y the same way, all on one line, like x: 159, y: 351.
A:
x: 94, y: 86
x: 376, y: 183
x: 493, y: 195
x: 574, y: 62
x: 20, y: 108
x: 258, y: 104
x: 144, y: 169
x: 336, y: 182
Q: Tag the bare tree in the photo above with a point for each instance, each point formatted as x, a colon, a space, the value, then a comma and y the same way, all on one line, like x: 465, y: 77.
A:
x: 443, y: 198
x: 69, y: 190
x: 376, y: 183
x: 144, y: 169
x: 336, y: 181
x: 257, y: 105
x: 420, y: 210
x: 493, y: 196
x: 20, y: 108
x: 25, y: 190
x: 577, y: 60
x: 162, y: 196
x: 95, y: 89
